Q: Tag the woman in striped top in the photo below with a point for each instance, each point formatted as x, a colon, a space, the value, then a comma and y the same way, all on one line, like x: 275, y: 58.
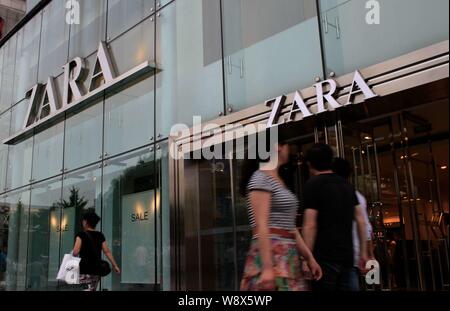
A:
x: 273, y: 261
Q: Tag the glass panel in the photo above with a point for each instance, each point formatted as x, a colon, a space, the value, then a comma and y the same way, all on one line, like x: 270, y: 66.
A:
x: 356, y: 44
x: 54, y: 41
x: 163, y: 208
x: 85, y: 37
x: 243, y: 229
x: 188, y: 49
x: 9, y: 59
x: 81, y: 192
x: 44, y: 235
x: 19, y: 164
x: 2, y: 53
x: 83, y: 141
x: 5, y: 217
x: 134, y: 47
x: 123, y: 14
x: 129, y: 218
x: 271, y: 48
x: 162, y: 3
x: 17, y: 204
x: 208, y: 203
x: 5, y: 121
x: 48, y: 152
x: 28, y: 41
x: 19, y: 112
x: 129, y: 118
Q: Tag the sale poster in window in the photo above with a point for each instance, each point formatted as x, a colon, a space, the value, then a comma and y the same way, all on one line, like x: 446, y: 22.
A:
x: 138, y: 238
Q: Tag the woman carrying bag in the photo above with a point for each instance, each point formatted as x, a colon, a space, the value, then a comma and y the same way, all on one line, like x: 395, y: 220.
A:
x: 89, y: 245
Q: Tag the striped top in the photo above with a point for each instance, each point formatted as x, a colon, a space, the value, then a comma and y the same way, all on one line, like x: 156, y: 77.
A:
x: 284, y: 204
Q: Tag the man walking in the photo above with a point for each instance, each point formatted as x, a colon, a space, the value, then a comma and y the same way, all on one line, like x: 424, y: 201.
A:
x: 330, y: 209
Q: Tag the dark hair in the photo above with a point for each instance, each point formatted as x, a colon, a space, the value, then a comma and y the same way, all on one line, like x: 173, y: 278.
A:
x: 250, y: 166
x: 91, y: 218
x: 320, y: 157
x: 342, y: 167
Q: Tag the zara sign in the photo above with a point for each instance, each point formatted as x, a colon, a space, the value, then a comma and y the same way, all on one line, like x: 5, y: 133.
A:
x: 46, y: 106
x: 325, y: 100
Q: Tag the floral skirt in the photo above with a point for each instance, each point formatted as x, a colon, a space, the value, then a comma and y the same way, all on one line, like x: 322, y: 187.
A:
x: 287, y: 266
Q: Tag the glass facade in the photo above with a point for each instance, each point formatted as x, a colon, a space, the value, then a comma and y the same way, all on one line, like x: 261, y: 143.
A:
x: 213, y: 58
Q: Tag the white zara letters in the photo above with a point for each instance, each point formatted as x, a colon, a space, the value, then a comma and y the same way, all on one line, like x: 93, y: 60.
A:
x: 325, y: 101
x: 45, y: 104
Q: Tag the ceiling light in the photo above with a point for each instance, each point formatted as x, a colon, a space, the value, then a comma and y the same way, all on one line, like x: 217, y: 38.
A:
x: 443, y: 167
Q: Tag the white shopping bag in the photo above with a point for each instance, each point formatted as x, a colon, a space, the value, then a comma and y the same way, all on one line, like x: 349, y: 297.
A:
x: 69, y: 271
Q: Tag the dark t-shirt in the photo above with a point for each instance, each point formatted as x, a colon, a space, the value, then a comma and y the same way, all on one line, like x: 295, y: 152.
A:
x: 335, y: 200
x: 91, y: 251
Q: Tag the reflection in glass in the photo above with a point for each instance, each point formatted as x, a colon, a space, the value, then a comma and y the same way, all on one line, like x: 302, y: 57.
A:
x: 129, y: 118
x: 19, y: 164
x: 271, y: 48
x: 54, y: 41
x: 5, y: 120
x: 123, y: 14
x: 163, y: 222
x: 44, y: 235
x: 19, y: 112
x: 188, y: 48
x: 48, y: 152
x: 81, y: 193
x: 85, y: 37
x: 27, y: 58
x: 83, y: 140
x: 17, y: 204
x: 134, y: 47
x: 130, y: 210
x: 7, y: 80
x: 406, y: 25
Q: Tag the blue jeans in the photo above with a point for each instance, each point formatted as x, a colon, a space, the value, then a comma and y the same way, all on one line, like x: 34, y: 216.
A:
x: 337, y: 277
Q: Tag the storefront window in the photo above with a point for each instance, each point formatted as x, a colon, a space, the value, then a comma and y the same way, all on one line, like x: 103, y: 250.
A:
x: 271, y: 48
x: 26, y: 70
x: 83, y: 141
x: 130, y: 214
x: 85, y: 37
x: 81, y: 193
x: 124, y: 14
x: 17, y: 206
x: 188, y: 49
x: 44, y: 237
x: 54, y: 41
x: 355, y: 37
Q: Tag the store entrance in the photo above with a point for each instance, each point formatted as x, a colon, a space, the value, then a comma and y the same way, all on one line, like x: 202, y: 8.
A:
x: 399, y: 164
x: 399, y: 161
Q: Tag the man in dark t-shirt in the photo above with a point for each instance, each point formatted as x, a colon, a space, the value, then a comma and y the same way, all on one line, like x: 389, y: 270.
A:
x: 330, y: 209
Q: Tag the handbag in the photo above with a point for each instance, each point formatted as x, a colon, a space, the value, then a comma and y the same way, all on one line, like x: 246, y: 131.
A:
x: 69, y: 271
x: 103, y: 266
